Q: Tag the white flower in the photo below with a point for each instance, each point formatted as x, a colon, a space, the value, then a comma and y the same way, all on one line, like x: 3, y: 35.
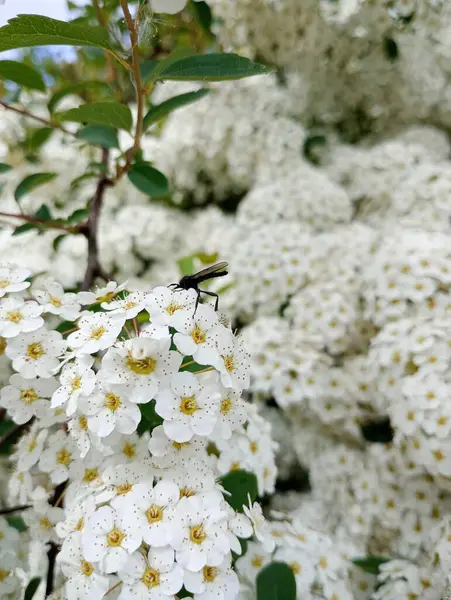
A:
x: 76, y: 379
x: 150, y: 511
x: 187, y: 407
x: 165, y: 452
x: 75, y: 514
x: 215, y: 582
x: 261, y: 526
x: 165, y: 303
x: 152, y: 577
x: 122, y: 482
x: 131, y: 305
x: 41, y: 520
x: 170, y: 7
x: 25, y: 398
x: 255, y: 558
x: 108, y: 538
x: 197, y: 333
x: 143, y: 364
x: 101, y: 295
x: 18, y: 316
x: 97, y: 331
x: 233, y: 362
x: 108, y: 408
x: 199, y: 533
x: 29, y: 447
x: 58, y: 457
x: 9, y: 582
x: 232, y: 414
x: 12, y: 279
x: 54, y: 300
x: 36, y: 354
x: 83, y: 580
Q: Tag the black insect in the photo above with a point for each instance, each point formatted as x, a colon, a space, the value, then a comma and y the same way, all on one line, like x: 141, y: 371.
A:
x: 191, y: 282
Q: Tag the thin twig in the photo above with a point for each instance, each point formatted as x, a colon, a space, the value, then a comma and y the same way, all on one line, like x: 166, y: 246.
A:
x: 113, y: 588
x: 8, y: 511
x: 47, y: 224
x: 133, y: 28
x: 94, y: 268
x: 26, y: 113
x: 51, y: 555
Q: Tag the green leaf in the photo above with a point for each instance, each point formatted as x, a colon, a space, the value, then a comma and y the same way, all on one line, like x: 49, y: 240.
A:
x: 57, y: 241
x: 65, y: 326
x: 160, y: 111
x: 17, y: 522
x: 148, y: 180
x: 75, y: 89
x: 32, y: 588
x: 78, y: 216
x: 186, y: 265
x: 24, y: 228
x: 150, y: 418
x: 99, y: 135
x: 4, y: 168
x: 43, y: 213
x: 194, y: 367
x: 25, y: 31
x: 213, y: 67
x: 207, y: 259
x: 31, y: 182
x: 240, y: 484
x: 150, y: 69
x: 202, y: 14
x: 370, y: 564
x: 22, y: 74
x: 99, y: 113
x: 276, y: 581
x: 37, y: 138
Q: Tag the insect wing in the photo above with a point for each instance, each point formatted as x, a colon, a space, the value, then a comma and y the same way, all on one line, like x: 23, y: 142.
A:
x: 210, y: 271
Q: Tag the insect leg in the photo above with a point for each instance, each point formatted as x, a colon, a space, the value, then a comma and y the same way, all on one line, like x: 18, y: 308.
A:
x: 214, y: 296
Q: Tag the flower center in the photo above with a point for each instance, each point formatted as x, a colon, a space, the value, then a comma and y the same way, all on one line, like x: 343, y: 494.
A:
x: 3, y: 572
x: 63, y: 457
x: 55, y: 301
x: 115, y: 538
x: 188, y: 405
x: 186, y: 492
x: 296, y: 568
x: 180, y: 445
x: 28, y: 396
x: 210, y: 574
x: 97, y: 333
x: 4, y: 283
x: 154, y: 513
x: 107, y: 298
x: 129, y: 305
x: 129, y: 450
x: 226, y: 406
x: 45, y: 523
x: 123, y: 488
x: 141, y: 366
x: 229, y: 363
x: 257, y: 561
x: 171, y: 308
x: 197, y: 534
x: 15, y: 316
x: 83, y: 423
x: 253, y: 447
x: 32, y: 445
x: 112, y: 402
x: 87, y: 569
x: 151, y: 578
x: 90, y: 475
x: 2, y: 346
x: 35, y: 351
x: 76, y: 383
x: 198, y: 335
x: 80, y: 524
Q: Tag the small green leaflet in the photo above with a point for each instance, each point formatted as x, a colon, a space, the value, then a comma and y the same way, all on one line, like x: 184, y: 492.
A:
x: 241, y: 485
x: 370, y: 564
x: 160, y: 111
x: 25, y: 31
x: 31, y: 182
x: 99, y: 113
x: 186, y: 265
x: 148, y: 180
x: 17, y: 522
x: 37, y: 138
x: 276, y: 581
x: 32, y: 588
x: 99, y: 135
x: 76, y: 88
x: 213, y: 67
x: 4, y: 168
x: 21, y: 74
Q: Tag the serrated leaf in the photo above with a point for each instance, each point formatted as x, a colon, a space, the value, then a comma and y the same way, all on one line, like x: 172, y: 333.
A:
x: 25, y: 31
x: 99, y: 135
x: 99, y: 113
x: 149, y: 180
x: 162, y: 110
x: 370, y: 564
x: 213, y: 67
x: 240, y: 485
x: 78, y: 216
x: 75, y: 89
x: 22, y: 74
x: 31, y: 182
x: 276, y: 581
x: 32, y: 588
x: 4, y: 168
x: 37, y: 138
